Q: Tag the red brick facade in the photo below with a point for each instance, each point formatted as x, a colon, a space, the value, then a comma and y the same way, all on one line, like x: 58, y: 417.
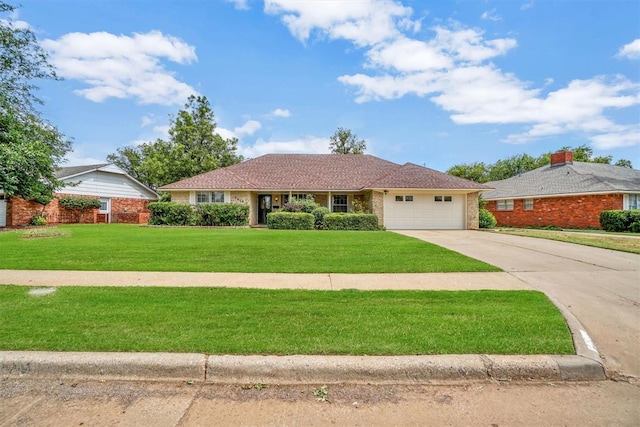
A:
x: 130, y: 211
x: 567, y: 212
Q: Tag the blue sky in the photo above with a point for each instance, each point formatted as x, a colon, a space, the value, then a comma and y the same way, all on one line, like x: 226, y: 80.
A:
x: 430, y: 82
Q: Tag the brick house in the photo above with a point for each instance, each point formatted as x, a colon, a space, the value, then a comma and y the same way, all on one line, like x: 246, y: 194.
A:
x: 123, y: 199
x: 564, y: 194
x: 405, y: 196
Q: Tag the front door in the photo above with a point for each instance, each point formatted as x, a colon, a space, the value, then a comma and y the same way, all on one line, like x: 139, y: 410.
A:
x: 264, y: 207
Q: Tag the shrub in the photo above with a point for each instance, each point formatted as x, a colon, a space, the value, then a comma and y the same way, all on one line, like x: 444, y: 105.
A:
x: 306, y: 205
x: 318, y: 214
x: 360, y: 206
x: 290, y: 220
x: 222, y: 214
x: 38, y: 220
x: 620, y: 221
x: 350, y: 221
x: 486, y: 219
x: 171, y: 213
x: 79, y: 205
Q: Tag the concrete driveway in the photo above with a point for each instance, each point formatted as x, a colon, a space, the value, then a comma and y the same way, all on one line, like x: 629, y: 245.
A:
x: 601, y: 288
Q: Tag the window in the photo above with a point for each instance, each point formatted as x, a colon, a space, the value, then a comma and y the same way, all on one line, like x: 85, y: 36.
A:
x: 340, y: 203
x: 399, y: 198
x: 217, y: 197
x: 203, y: 197
x: 210, y: 197
x: 408, y: 198
x: 527, y: 204
x: 634, y: 201
x: 104, y: 205
x: 448, y: 198
x: 437, y: 198
x: 443, y: 198
x: 298, y: 196
x: 504, y: 205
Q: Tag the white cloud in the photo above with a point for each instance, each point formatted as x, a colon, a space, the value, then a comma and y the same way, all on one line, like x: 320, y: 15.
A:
x: 362, y: 22
x: 123, y: 66
x: 527, y: 5
x: 453, y: 68
x: 630, y: 50
x: 146, y: 121
x: 306, y: 145
x: 162, y: 131
x: 491, y: 15
x: 279, y: 112
x: 239, y: 4
x: 249, y: 128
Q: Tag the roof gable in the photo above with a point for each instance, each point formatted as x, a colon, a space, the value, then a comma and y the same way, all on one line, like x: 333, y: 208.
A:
x: 576, y: 178
x: 320, y: 172
x: 411, y: 175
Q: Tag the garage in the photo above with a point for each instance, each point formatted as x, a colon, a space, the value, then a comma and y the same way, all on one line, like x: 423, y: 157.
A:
x: 412, y: 211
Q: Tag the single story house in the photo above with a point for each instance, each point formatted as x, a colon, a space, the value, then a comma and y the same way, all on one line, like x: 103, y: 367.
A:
x: 122, y: 198
x: 402, y: 196
x: 563, y: 194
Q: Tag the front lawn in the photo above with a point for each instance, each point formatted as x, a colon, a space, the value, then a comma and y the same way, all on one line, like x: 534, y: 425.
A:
x: 132, y: 248
x: 253, y: 321
x: 596, y: 238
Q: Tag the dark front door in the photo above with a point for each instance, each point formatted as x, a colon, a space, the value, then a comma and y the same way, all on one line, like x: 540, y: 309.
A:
x: 264, y: 207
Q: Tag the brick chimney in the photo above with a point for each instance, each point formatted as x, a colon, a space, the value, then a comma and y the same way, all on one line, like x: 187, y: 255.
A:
x: 562, y: 158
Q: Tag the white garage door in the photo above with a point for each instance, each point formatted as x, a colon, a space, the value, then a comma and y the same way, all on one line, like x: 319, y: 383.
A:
x: 3, y: 211
x: 424, y: 211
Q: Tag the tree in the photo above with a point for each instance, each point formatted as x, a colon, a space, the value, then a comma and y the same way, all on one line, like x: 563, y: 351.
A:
x: 346, y: 142
x: 477, y: 171
x: 624, y: 163
x: 521, y: 163
x: 30, y: 147
x: 193, y: 147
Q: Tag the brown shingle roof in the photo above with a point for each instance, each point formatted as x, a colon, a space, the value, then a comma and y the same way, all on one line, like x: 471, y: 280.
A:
x: 411, y: 175
x: 321, y: 172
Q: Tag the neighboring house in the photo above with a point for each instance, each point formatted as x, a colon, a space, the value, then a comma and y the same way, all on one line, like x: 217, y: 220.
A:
x: 563, y: 194
x: 122, y: 198
x: 402, y: 196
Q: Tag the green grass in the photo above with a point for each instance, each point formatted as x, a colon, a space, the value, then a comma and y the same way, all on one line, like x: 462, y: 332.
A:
x: 598, y: 239
x: 252, y: 321
x: 133, y: 248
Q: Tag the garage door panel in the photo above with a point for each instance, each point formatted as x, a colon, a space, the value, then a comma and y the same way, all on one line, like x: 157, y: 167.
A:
x: 424, y: 213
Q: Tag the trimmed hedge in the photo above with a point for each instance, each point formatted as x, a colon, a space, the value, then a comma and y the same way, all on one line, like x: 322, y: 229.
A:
x: 171, y: 213
x: 222, y: 214
x: 621, y: 221
x: 290, y: 221
x: 318, y: 214
x: 207, y: 214
x: 486, y: 219
x: 351, y: 221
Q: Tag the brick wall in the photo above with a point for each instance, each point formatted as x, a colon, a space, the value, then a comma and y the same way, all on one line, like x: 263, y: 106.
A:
x: 377, y: 205
x: 20, y: 212
x: 130, y: 211
x: 473, y: 211
x: 566, y: 212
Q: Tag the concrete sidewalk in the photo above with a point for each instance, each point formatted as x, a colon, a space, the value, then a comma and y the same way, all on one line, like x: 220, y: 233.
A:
x: 395, y: 281
x: 295, y: 369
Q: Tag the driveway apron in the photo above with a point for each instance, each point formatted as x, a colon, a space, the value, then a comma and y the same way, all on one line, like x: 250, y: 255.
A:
x: 600, y: 287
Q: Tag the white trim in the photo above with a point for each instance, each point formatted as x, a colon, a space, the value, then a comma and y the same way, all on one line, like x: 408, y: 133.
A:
x: 546, y: 196
x: 227, y: 197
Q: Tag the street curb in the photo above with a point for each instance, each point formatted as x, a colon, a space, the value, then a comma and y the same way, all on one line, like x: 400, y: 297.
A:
x: 297, y: 369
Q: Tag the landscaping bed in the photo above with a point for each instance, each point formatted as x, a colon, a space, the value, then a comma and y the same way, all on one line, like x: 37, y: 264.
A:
x: 255, y: 321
